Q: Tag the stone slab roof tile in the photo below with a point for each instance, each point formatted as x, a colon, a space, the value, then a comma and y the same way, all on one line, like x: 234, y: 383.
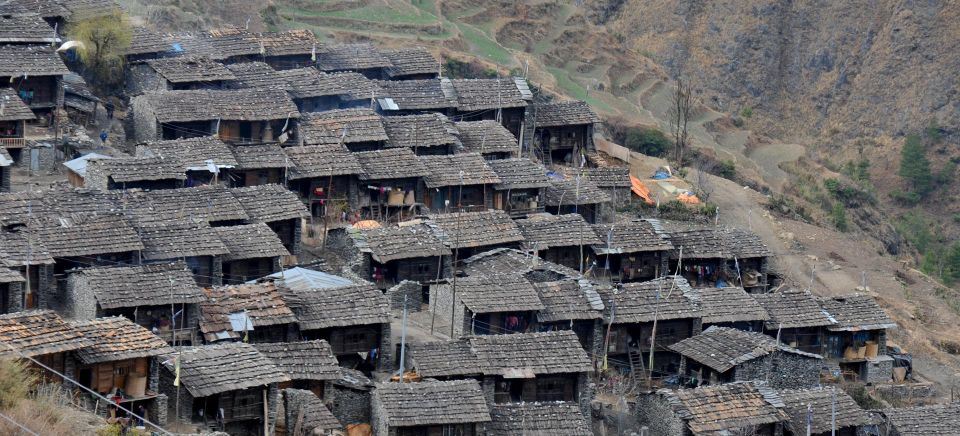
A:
x: 212, y: 369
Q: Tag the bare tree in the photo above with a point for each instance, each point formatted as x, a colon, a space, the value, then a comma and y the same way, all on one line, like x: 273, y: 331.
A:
x: 680, y: 111
x: 704, y: 184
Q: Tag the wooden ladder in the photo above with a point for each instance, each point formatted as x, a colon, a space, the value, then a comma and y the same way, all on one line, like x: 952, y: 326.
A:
x: 636, y: 364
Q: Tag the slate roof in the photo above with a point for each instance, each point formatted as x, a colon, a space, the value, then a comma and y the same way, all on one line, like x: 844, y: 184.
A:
x: 260, y: 301
x: 485, y: 94
x: 637, y: 302
x: 566, y: 192
x: 250, y: 241
x: 351, y: 57
x: 411, y: 60
x: 723, y: 305
x: 538, y: 419
x: 255, y: 75
x: 509, y: 260
x: 38, y: 332
x: 257, y: 157
x: 45, y: 8
x: 792, y: 309
x: 302, y: 360
x: 519, y: 173
x: 219, y: 44
x: 565, y: 113
x: 609, y: 177
x: 424, y: 130
x: 424, y: 94
x: 321, y: 161
x: 145, y: 285
x: 475, y: 229
x: 391, y: 243
x: 146, y: 41
x: 80, y: 9
x: 567, y: 300
x: 190, y: 69
x: 75, y: 86
x: 193, y: 153
x: 431, y: 403
x: 342, y: 126
x: 634, y: 236
x: 712, y: 409
x: 88, y: 234
x: 224, y: 104
x: 722, y: 348
x: 444, y: 170
x: 445, y: 358
x: 23, y: 247
x: 394, y: 163
x: 705, y: 241
x: 827, y: 405
x: 213, y: 369
x: 543, y: 231
x: 136, y: 169
x: 486, y: 137
x: 554, y: 352
x: 30, y: 61
x: 269, y: 203
x: 309, y: 82
x: 8, y: 275
x: 341, y: 306
x: 855, y: 313
x: 14, y: 109
x: 288, y: 42
x: 184, y: 239
x: 941, y: 419
x: 316, y: 417
x: 209, y: 203
x: 499, y: 293
x: 25, y: 29
x: 117, y: 338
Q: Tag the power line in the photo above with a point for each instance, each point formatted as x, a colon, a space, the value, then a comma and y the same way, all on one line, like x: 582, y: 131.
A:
x: 23, y: 427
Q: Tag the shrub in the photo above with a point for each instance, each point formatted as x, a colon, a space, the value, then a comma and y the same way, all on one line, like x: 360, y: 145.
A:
x: 650, y: 142
x: 839, y: 216
x: 727, y: 169
x: 746, y: 112
x: 15, y: 382
x: 915, y: 167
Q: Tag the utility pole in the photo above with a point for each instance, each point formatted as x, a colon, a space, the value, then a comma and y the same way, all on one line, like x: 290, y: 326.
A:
x: 833, y: 412
x: 456, y: 256
x: 403, y: 337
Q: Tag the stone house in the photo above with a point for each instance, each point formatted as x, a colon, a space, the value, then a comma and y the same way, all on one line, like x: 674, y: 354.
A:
x: 577, y: 195
x: 224, y: 44
x: 860, y: 325
x: 614, y: 180
x: 555, y: 418
x: 316, y: 91
x: 520, y: 191
x: 324, y: 176
x: 13, y: 122
x: 489, y: 138
x: 259, y: 165
x: 425, y: 134
x: 228, y: 387
x: 921, y: 420
x: 463, y: 181
x: 145, y: 44
x: 716, y: 256
x: 121, y: 173
x: 502, y: 99
x: 204, y: 160
x: 11, y: 290
x: 353, y: 319
x: 79, y: 102
x: 563, y: 130
x: 289, y: 49
x: 411, y: 63
x: 305, y: 413
x: 722, y: 355
x: 22, y: 251
x: 176, y: 73
x: 363, y: 58
x: 824, y: 408
x: 510, y: 261
x: 233, y: 115
x: 36, y: 73
x: 77, y: 168
x: 389, y: 186
x: 194, y: 242
x: 125, y: 356
x: 562, y: 239
x: 356, y: 129
x: 730, y: 307
x: 517, y: 368
x: 631, y: 311
x: 469, y: 233
x: 631, y: 251
x: 572, y: 305
x: 429, y: 407
x: 278, y: 208
x: 254, y: 251
x: 406, y: 97
x: 487, y: 305
x: 310, y: 365
x: 796, y: 317
x: 350, y: 397
x: 44, y: 336
x: 734, y: 408
x: 393, y: 254
x: 253, y: 313
x: 143, y: 293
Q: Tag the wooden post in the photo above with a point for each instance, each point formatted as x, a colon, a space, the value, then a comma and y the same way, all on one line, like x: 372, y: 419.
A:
x: 266, y: 412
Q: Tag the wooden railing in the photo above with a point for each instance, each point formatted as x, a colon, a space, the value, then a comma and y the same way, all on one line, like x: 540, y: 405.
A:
x: 13, y: 142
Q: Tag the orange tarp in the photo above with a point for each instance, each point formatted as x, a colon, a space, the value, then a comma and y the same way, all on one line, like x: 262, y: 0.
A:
x: 366, y: 225
x: 641, y: 190
x: 688, y: 198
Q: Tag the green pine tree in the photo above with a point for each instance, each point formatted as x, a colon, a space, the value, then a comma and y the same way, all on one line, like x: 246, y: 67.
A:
x: 915, y: 167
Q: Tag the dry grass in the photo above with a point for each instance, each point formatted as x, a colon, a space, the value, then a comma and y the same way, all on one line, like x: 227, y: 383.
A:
x: 45, y: 409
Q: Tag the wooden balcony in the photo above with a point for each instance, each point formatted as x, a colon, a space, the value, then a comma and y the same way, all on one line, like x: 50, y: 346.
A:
x: 13, y: 142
